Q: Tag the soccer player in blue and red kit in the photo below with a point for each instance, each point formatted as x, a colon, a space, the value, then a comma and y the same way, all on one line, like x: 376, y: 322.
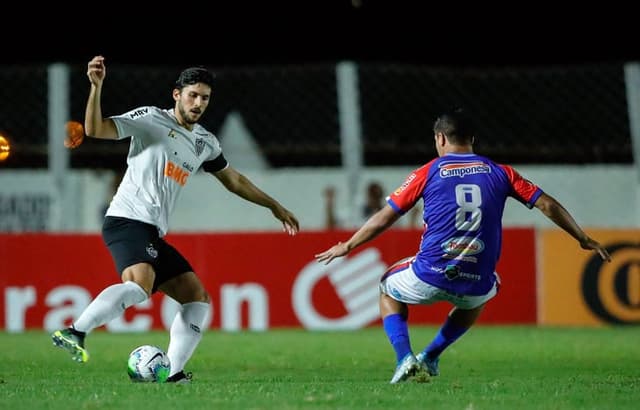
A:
x: 464, y: 197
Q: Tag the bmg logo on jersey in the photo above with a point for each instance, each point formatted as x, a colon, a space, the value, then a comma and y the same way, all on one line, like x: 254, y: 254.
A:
x: 176, y: 172
x: 612, y: 290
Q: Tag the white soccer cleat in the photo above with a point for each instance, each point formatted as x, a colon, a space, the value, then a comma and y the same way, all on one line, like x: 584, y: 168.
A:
x: 431, y: 366
x: 407, y: 368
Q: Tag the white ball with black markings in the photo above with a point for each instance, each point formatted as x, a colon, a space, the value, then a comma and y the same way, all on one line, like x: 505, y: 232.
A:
x: 148, y: 364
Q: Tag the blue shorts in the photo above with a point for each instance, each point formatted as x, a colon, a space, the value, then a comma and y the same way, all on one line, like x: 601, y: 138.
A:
x: 131, y: 242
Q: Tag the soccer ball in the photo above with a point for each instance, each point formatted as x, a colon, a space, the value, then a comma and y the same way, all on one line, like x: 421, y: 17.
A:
x: 148, y: 364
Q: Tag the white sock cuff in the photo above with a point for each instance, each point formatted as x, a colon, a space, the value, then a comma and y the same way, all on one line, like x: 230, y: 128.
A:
x: 195, y: 313
x: 195, y: 305
x: 138, y: 289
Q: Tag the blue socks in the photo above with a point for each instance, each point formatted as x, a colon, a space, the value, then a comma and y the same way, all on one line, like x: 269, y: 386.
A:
x: 395, y: 326
x: 447, y: 334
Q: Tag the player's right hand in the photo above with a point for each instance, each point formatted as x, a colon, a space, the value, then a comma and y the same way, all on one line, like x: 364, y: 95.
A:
x: 96, y: 70
x: 336, y: 251
x: 289, y: 221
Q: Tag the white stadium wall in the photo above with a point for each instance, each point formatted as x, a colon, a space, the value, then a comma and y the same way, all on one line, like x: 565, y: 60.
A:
x: 597, y: 195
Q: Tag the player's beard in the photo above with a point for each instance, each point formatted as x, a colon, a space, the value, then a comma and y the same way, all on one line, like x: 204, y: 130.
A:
x: 188, y: 116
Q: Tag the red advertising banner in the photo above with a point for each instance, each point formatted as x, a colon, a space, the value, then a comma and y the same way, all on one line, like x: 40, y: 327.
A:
x: 256, y: 281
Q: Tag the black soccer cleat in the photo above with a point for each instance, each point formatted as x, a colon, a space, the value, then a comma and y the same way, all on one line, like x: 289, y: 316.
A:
x: 180, y: 378
x: 72, y: 341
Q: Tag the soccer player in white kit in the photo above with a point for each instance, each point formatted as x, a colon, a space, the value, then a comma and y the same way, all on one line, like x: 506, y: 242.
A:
x: 167, y: 146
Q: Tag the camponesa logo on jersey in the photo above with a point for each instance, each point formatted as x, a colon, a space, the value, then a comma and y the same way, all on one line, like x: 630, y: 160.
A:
x: 176, y: 172
x: 463, y: 245
x: 405, y: 184
x: 138, y: 113
x: 461, y: 169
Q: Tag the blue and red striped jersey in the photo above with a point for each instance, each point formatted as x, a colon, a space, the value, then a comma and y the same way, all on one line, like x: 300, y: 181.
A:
x: 464, y: 198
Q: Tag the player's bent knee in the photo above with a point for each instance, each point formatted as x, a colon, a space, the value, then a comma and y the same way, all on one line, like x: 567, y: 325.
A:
x: 203, y: 297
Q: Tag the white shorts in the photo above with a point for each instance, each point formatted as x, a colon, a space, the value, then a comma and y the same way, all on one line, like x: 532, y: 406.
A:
x: 405, y: 286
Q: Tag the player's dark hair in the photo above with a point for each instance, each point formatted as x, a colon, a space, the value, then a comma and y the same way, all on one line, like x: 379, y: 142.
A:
x: 194, y: 75
x: 456, y: 125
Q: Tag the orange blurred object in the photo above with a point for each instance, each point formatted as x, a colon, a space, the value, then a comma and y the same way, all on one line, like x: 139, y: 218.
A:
x: 75, y: 134
x: 5, y: 148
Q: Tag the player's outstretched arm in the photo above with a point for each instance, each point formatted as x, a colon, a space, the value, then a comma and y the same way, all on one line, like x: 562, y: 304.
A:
x: 553, y: 210
x: 374, y: 226
x: 244, y: 188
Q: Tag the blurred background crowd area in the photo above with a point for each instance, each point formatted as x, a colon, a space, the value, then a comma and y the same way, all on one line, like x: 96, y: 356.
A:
x: 317, y: 101
x: 291, y: 114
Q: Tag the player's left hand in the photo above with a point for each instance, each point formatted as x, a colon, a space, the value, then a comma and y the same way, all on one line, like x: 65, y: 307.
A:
x: 591, y: 244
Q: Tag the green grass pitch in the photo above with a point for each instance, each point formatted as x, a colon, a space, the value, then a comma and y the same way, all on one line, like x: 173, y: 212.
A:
x: 491, y: 367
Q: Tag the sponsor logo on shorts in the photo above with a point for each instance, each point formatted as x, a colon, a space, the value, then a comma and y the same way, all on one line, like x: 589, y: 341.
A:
x: 152, y: 251
x: 396, y: 293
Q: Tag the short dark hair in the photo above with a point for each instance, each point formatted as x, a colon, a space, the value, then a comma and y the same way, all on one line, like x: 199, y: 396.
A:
x: 456, y: 125
x: 194, y: 75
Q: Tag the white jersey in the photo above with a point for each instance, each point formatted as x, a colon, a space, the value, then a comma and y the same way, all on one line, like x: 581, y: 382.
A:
x: 162, y: 156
